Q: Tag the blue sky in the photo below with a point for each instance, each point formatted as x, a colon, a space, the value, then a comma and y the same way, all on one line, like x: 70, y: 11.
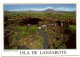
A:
x: 40, y: 7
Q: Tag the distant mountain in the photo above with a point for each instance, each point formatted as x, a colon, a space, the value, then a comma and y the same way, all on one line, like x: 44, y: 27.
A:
x: 6, y: 11
x: 49, y: 10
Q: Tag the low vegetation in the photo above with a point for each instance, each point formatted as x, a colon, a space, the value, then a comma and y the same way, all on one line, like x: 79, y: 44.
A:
x: 33, y: 29
x: 20, y: 35
x: 63, y: 46
x: 72, y: 27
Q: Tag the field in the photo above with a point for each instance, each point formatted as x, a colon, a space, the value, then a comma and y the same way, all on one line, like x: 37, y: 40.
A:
x: 40, y: 30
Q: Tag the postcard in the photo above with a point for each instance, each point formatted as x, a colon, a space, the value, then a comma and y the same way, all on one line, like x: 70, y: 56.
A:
x: 40, y: 29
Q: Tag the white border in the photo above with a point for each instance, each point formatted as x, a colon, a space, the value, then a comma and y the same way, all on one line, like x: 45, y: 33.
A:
x: 70, y: 52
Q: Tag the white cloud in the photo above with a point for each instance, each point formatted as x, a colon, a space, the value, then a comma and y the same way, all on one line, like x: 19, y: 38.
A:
x: 65, y: 9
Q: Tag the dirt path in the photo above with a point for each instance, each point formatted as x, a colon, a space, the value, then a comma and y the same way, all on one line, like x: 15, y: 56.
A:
x: 45, y: 44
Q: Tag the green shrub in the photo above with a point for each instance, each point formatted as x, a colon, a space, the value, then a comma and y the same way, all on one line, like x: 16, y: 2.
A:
x: 41, y: 40
x: 52, y: 33
x: 24, y: 28
x: 23, y: 34
x: 33, y: 29
x: 57, y: 43
x: 16, y: 28
x: 62, y: 17
x: 61, y: 36
x: 20, y: 28
x: 63, y: 46
x: 28, y: 33
x: 15, y: 36
x: 45, y: 31
x: 54, y: 28
x: 72, y: 28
